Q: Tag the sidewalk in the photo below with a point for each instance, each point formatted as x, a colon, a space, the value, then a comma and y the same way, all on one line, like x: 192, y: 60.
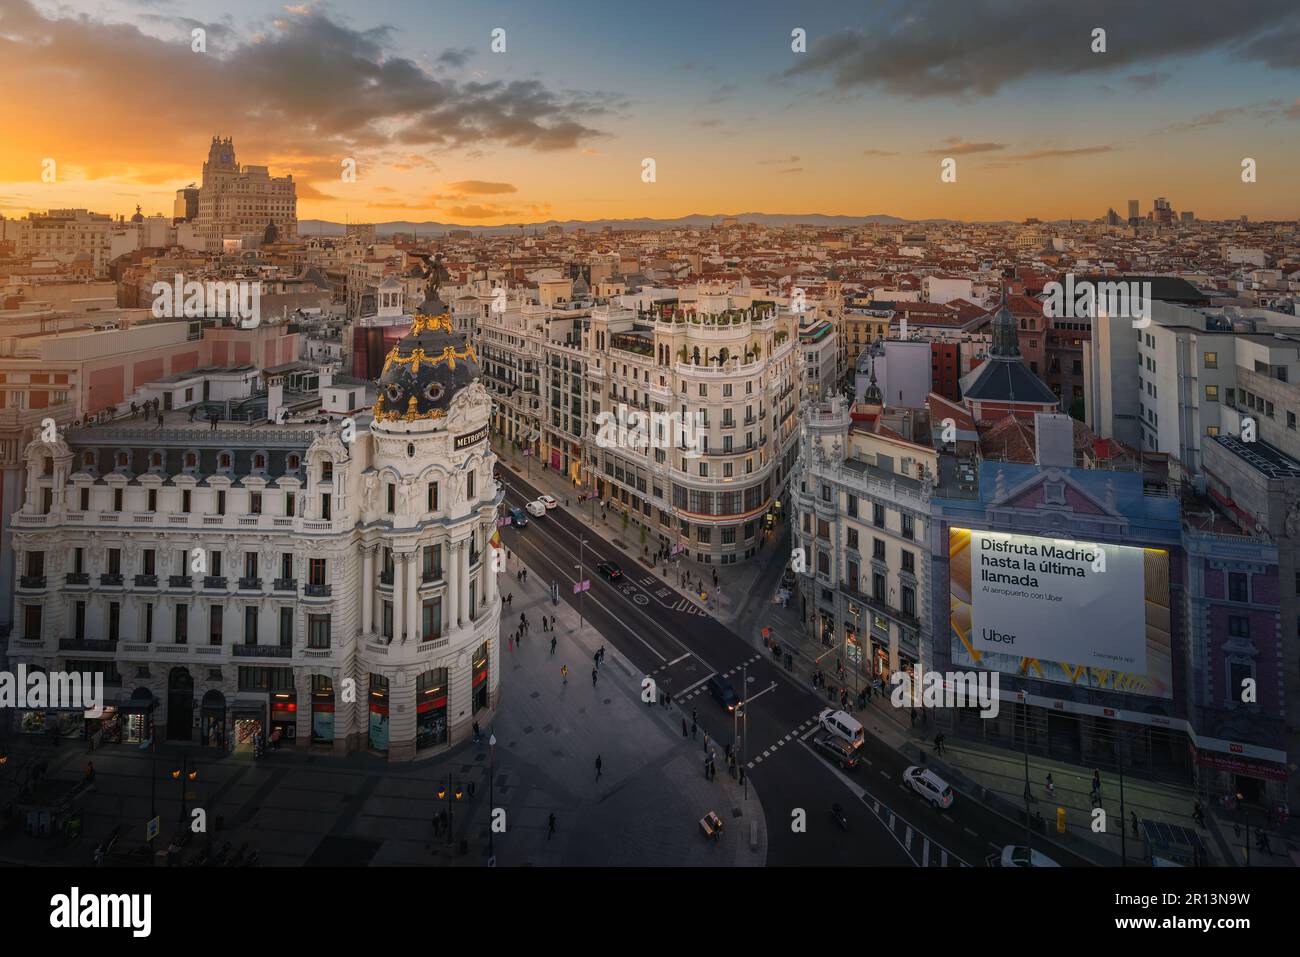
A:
x: 645, y: 808
x: 727, y: 601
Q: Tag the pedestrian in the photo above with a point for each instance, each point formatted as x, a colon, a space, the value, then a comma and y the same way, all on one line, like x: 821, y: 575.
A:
x: 938, y: 744
x: 706, y: 740
x: 1096, y: 780
x: 1198, y: 814
x: 667, y: 698
x: 564, y: 674
x: 683, y: 727
x: 552, y: 623
x: 550, y: 825
x: 1133, y: 822
x: 599, y: 764
x: 602, y: 654
x: 693, y: 727
x: 509, y: 598
x: 90, y: 772
x: 552, y: 646
x: 715, y: 578
x: 544, y: 628
x: 594, y: 672
x: 1049, y: 786
x: 476, y: 734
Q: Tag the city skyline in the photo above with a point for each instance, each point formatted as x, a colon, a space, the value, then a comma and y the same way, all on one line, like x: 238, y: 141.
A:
x: 557, y: 126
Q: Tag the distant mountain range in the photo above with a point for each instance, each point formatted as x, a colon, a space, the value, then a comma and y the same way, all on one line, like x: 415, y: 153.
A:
x: 320, y: 227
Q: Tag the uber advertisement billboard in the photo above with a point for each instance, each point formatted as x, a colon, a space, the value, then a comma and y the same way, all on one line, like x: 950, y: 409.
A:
x: 1076, y: 612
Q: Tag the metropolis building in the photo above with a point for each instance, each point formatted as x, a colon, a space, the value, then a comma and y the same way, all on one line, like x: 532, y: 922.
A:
x: 324, y: 584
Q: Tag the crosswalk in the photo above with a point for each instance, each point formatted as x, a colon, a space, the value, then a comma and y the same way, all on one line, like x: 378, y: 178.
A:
x: 801, y: 732
x: 919, y: 847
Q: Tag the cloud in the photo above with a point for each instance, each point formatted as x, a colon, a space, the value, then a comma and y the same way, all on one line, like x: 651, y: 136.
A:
x: 1147, y: 81
x: 303, y: 78
x: 478, y: 187
x: 709, y: 123
x: 792, y: 158
x: 795, y: 169
x: 939, y: 48
x: 956, y: 146
x: 879, y: 153
x: 455, y: 57
x: 1058, y: 153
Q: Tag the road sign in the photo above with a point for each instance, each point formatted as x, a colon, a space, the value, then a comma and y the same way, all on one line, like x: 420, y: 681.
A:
x: 152, y: 827
x: 503, y: 521
x: 584, y: 585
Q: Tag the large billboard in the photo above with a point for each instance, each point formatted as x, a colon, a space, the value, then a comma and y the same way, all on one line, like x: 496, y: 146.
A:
x: 1083, y: 613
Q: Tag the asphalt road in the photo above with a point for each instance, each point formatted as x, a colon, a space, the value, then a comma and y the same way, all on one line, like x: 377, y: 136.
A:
x: 680, y: 646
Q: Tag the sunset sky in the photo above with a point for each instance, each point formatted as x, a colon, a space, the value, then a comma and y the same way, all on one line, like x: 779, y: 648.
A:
x: 557, y: 126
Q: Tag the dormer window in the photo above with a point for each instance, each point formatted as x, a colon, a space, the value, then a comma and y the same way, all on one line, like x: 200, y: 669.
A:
x: 259, y: 462
x: 191, y: 460
x: 123, y: 459
x: 223, y: 460
x: 326, y: 470
x: 156, y: 460
x: 293, y: 463
x: 88, y: 460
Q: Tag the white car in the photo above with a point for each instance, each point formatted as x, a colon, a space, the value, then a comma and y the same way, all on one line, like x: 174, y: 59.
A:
x: 536, y: 509
x: 548, y: 501
x: 1017, y: 855
x: 842, y: 724
x: 929, y: 786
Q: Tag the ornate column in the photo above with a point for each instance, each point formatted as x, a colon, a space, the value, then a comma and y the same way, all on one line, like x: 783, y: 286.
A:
x: 462, y: 583
x: 399, y: 596
x: 367, y: 589
x: 413, y: 596
x: 452, y: 573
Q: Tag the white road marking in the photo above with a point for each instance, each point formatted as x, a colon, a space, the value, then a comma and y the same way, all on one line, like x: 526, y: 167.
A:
x: 676, y: 660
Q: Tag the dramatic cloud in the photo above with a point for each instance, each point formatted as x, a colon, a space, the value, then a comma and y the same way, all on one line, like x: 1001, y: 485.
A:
x: 1059, y: 154
x: 956, y: 146
x: 478, y: 187
x: 938, y: 48
x: 1147, y: 81
x: 305, y: 77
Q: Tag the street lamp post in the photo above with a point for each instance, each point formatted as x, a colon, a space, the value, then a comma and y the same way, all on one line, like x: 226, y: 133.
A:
x: 450, y: 793
x: 1029, y: 837
x: 582, y: 592
x: 492, y: 769
x: 185, y: 775
x: 1241, y: 803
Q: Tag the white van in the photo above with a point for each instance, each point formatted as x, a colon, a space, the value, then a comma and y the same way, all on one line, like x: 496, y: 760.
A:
x: 844, y: 725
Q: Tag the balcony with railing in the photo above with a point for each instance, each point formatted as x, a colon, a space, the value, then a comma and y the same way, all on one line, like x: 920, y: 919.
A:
x: 215, y: 581
x: 286, y: 584
x: 110, y: 580
x: 146, y: 581
x: 250, y: 584
x: 262, y: 651
x: 317, y: 591
x: 180, y: 581
x: 87, y: 644
x: 77, y: 579
x: 31, y: 581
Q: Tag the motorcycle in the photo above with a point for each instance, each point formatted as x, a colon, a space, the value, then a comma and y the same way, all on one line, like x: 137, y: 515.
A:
x: 837, y: 813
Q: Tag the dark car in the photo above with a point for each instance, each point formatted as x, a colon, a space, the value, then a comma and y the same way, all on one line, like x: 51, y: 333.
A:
x: 610, y: 570
x: 837, y: 749
x: 517, y: 517
x: 722, y: 692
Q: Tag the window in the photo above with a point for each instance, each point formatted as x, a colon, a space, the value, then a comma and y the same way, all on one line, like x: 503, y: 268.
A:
x: 878, y: 515
x: 286, y: 627
x: 288, y: 504
x: 823, y: 529
x: 433, y: 497
x: 852, y: 506
x: 182, y: 624
x: 215, y: 624
x: 186, y: 498
x: 115, y: 561
x: 909, y: 526
x: 152, y: 499
x: 85, y: 498
x: 878, y: 549
x: 878, y: 586
x: 117, y: 499
x: 1238, y: 626
x: 318, y: 631
x: 149, y: 563
x: 1211, y: 430
x: 1238, y: 587
x: 469, y: 486
x: 79, y: 621
x: 1290, y: 421
x: 823, y: 562
x: 909, y: 562
x: 909, y: 600
x: 1211, y: 393
x: 1211, y: 360
x: 388, y: 620
x: 431, y: 619
x: 215, y: 569
x: 35, y: 564
x: 325, y: 506
x: 250, y: 624
x: 391, y: 491
x: 79, y: 561
x: 852, y: 539
x: 316, y: 571
x: 327, y: 471
x: 250, y: 564
x: 255, y: 503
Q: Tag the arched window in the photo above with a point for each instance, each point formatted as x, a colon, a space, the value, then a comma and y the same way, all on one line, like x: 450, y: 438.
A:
x: 123, y: 459
x: 259, y: 461
x: 88, y: 459
x: 223, y: 460
x: 191, y: 460
x: 156, y: 460
x: 293, y: 463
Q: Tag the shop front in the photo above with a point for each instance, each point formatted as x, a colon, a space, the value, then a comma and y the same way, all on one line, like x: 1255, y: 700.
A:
x: 322, y: 709
x: 431, y: 709
x: 480, y: 687
x: 284, y: 717
x: 250, y: 723
x: 212, y: 720
x: 136, y: 716
x: 378, y: 727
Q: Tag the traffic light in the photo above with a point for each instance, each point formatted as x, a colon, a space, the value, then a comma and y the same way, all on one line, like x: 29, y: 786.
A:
x: 1060, y: 820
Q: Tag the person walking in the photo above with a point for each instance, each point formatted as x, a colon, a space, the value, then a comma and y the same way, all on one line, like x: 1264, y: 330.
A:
x: 552, y: 646
x: 550, y: 825
x: 938, y: 744
x: 913, y: 717
x: 1133, y: 822
x: 599, y: 765
x: 564, y: 674
x: 706, y: 741
x: 693, y: 727
x: 1050, y: 786
x: 552, y: 623
x: 683, y: 727
x: 594, y: 672
x: 544, y: 628
x: 1096, y: 787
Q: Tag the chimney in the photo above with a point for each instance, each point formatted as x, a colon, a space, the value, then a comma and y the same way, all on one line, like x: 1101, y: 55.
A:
x: 274, y: 397
x: 326, y: 376
x: 1054, y: 440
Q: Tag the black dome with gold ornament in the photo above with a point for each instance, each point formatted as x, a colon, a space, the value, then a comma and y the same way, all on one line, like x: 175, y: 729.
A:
x: 424, y: 371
